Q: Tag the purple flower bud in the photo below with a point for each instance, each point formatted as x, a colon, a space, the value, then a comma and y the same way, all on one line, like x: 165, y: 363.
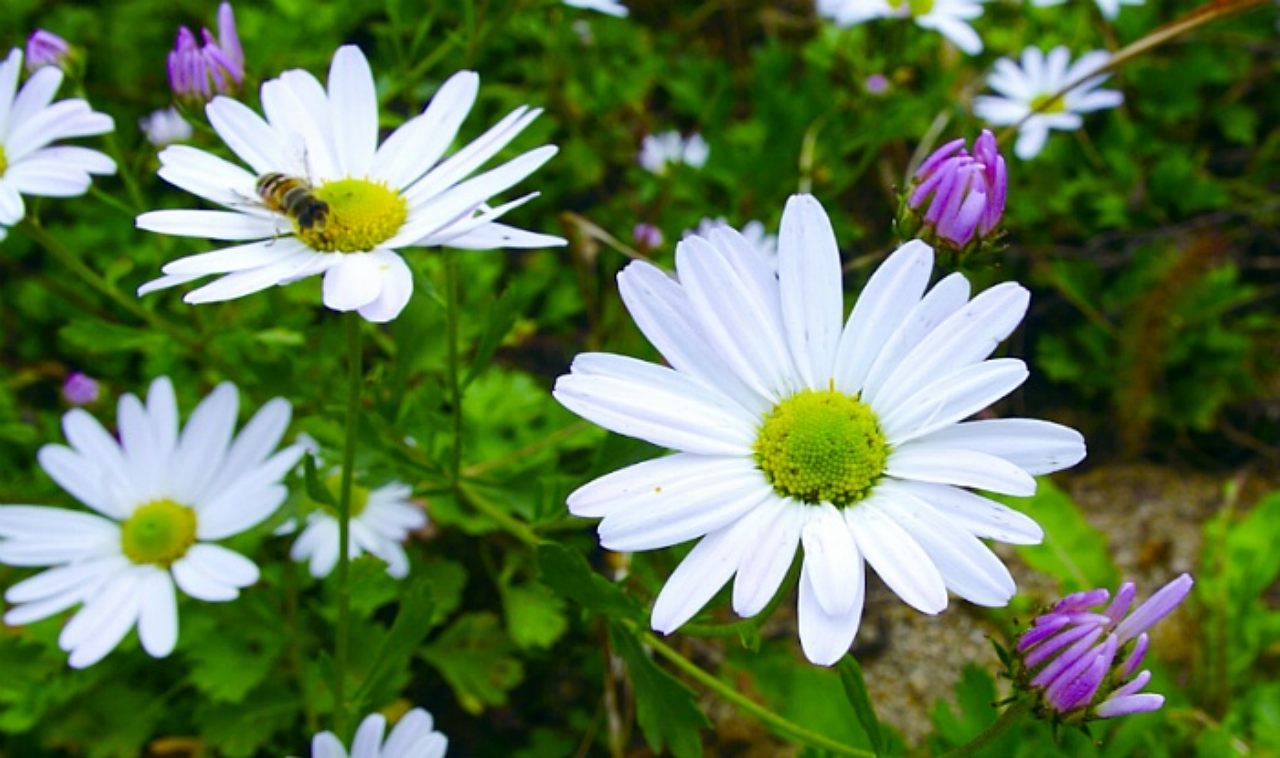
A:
x: 47, y: 49
x: 956, y: 198
x: 1079, y: 663
x: 198, y: 72
x: 876, y: 84
x: 647, y: 236
x: 80, y: 389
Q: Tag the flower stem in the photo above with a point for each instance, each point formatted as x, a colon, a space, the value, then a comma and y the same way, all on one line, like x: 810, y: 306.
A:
x: 455, y: 368
x: 779, y: 724
x: 994, y: 732
x: 355, y: 376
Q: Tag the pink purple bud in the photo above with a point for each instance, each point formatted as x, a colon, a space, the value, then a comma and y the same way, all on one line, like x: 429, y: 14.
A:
x: 1080, y: 662
x: 80, y: 389
x: 198, y: 72
x: 957, y: 197
x: 876, y: 84
x: 47, y: 49
x: 647, y: 236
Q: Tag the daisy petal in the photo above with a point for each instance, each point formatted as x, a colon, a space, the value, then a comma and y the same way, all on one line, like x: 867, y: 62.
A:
x: 823, y: 637
x: 896, y: 556
x: 812, y: 298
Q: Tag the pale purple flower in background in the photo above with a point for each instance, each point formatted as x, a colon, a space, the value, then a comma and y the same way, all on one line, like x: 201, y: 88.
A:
x: 876, y: 84
x: 659, y: 151
x: 647, y: 236
x: 80, y: 389
x: 753, y: 232
x: 29, y: 122
x: 956, y: 195
x: 1081, y: 660
x: 947, y: 17
x: 164, y: 127
x: 198, y: 72
x: 604, y: 6
x: 1026, y: 92
x: 47, y: 49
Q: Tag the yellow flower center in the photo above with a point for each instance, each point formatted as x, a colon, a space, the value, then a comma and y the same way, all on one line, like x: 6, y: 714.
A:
x: 159, y: 532
x: 4, y: 162
x: 821, y: 447
x: 917, y: 7
x: 1048, y: 104
x: 359, y: 495
x: 361, y: 215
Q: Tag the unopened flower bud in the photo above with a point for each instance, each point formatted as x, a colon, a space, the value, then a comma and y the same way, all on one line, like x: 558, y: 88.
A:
x: 48, y: 49
x: 198, y: 72
x: 956, y: 198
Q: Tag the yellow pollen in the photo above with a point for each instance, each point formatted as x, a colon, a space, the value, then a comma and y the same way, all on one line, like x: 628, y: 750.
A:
x: 159, y: 532
x: 1044, y: 104
x: 821, y: 447
x: 4, y: 162
x: 362, y: 215
x: 359, y: 495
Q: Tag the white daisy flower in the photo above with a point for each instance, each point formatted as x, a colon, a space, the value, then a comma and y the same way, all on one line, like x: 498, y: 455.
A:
x: 792, y: 429
x: 947, y: 17
x: 1110, y: 8
x: 29, y: 122
x: 754, y: 233
x: 320, y: 196
x: 381, y: 519
x: 604, y: 6
x: 658, y: 151
x: 164, y: 127
x: 413, y: 737
x: 161, y: 498
x: 1023, y: 89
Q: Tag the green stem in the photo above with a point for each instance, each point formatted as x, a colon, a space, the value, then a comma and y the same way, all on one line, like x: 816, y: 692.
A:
x: 1205, y: 14
x: 455, y: 367
x: 779, y: 724
x: 53, y: 246
x: 355, y: 377
x: 994, y: 732
x: 513, y: 526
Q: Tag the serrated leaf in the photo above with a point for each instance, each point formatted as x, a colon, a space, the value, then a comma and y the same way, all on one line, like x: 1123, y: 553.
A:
x: 855, y: 688
x: 535, y: 617
x: 474, y: 657
x: 1073, y: 551
x: 666, y: 709
x: 568, y: 574
x: 412, y: 624
x: 502, y: 317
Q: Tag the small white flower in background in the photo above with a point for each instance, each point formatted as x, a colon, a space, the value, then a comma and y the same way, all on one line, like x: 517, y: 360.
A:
x: 381, y: 519
x: 164, y: 127
x: 29, y: 122
x: 658, y: 151
x: 604, y: 6
x: 321, y: 196
x: 1029, y: 86
x: 1110, y: 8
x: 796, y: 428
x: 413, y: 737
x: 947, y: 17
x: 161, y: 496
x: 754, y: 233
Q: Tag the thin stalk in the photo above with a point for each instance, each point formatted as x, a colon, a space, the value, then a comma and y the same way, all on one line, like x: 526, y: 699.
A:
x: 455, y: 367
x: 994, y: 732
x: 513, y: 526
x: 779, y: 724
x: 355, y: 375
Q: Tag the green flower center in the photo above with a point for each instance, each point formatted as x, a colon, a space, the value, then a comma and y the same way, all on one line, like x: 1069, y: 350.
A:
x: 4, y: 162
x: 159, y: 532
x: 917, y: 7
x: 821, y: 447
x: 361, y: 215
x: 1048, y: 104
x: 359, y: 495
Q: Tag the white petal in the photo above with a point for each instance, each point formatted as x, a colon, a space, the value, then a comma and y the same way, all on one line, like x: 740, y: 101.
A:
x: 823, y: 637
x: 699, y: 577
x: 1031, y: 138
x: 472, y: 156
x: 895, y: 287
x: 214, y: 225
x: 762, y: 570
x: 896, y: 556
x: 368, y: 739
x: 83, y: 479
x: 319, y: 542
x: 397, y: 288
x: 951, y: 398
x: 831, y: 557
x: 922, y: 461
x: 226, y: 566
x: 158, y: 614
x: 980, y: 516
x: 353, y: 111
x: 354, y: 282
x: 415, y: 147
x: 968, y: 568
x: 326, y: 745
x: 246, y: 133
x: 1035, y: 446
x: 946, y: 297
x: 639, y: 483
x: 246, y: 282
x: 812, y: 296
x: 105, y: 619
x: 655, y: 404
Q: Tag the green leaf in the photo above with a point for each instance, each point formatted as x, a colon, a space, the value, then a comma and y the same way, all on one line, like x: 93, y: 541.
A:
x: 975, y: 694
x: 568, y: 574
x: 502, y: 317
x: 97, y: 336
x: 243, y: 730
x: 474, y: 657
x: 412, y: 624
x: 855, y: 687
x: 667, y: 710
x: 535, y: 617
x: 317, y: 490
x: 1073, y: 551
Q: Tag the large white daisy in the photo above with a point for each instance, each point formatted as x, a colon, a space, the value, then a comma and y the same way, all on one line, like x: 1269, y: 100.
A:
x: 950, y: 18
x: 1025, y: 88
x: 29, y: 122
x: 413, y: 737
x: 161, y: 498
x: 321, y: 196
x: 793, y: 430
